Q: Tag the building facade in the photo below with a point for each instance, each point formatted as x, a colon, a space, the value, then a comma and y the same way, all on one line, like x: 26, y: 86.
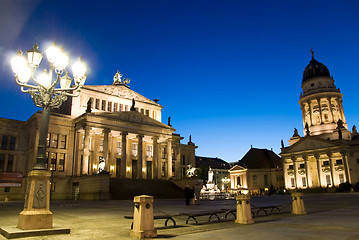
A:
x: 258, y: 169
x: 328, y: 153
x: 108, y: 131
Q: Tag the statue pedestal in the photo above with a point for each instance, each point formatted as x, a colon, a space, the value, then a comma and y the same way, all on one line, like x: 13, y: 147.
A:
x: 36, y: 213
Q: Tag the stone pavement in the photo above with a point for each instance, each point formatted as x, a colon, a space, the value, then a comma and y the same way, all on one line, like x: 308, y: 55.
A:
x: 330, y: 216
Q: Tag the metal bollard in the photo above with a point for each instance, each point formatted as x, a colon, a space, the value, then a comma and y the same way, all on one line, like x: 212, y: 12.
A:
x: 298, y: 204
x: 244, y: 214
x: 143, y: 224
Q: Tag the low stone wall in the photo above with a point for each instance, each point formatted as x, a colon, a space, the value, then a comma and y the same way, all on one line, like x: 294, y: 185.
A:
x: 92, y: 187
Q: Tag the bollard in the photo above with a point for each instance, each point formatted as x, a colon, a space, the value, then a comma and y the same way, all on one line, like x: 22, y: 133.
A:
x: 244, y: 214
x: 143, y: 225
x: 298, y: 204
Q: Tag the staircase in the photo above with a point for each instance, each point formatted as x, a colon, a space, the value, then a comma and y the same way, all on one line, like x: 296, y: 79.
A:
x: 128, y: 188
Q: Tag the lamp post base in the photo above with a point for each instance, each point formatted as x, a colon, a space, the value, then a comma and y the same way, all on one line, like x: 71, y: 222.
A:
x: 39, y: 219
x: 36, y: 213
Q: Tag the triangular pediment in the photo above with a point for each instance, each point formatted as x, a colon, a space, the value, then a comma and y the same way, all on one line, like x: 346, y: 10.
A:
x: 120, y: 91
x: 237, y: 168
x: 309, y: 143
x: 130, y: 117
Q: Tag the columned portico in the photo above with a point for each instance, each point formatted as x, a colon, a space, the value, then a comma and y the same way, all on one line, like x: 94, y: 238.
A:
x: 307, y: 171
x: 319, y: 168
x: 331, y: 163
x: 345, y: 163
x: 295, y: 172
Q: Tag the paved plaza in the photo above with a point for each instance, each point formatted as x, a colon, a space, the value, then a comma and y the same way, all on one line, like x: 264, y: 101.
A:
x: 330, y: 216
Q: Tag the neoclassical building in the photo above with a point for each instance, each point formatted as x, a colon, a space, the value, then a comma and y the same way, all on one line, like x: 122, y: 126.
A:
x: 328, y: 153
x: 107, y: 129
x: 258, y: 169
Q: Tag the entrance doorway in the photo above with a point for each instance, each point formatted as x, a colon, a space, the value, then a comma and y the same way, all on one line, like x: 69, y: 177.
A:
x: 134, y: 169
x: 149, y: 169
x: 118, y: 167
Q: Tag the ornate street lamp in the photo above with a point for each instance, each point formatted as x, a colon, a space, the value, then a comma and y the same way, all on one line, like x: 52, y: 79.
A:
x: 45, y: 93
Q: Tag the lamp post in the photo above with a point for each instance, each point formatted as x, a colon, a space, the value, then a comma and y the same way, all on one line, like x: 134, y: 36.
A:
x: 45, y: 93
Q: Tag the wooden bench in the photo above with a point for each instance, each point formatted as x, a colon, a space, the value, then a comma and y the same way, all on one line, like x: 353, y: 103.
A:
x: 155, y: 217
x: 195, y: 214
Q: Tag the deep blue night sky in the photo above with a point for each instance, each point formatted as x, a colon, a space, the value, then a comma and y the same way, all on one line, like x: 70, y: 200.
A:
x: 227, y: 72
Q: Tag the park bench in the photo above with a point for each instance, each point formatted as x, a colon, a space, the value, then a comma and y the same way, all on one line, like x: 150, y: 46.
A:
x: 195, y: 214
x: 257, y: 208
x: 155, y: 217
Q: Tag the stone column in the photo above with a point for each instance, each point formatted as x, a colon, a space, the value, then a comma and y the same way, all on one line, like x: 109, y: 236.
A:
x: 77, y: 158
x: 285, y: 173
x: 310, y: 113
x: 331, y: 163
x: 320, y: 110
x: 340, y: 104
x: 123, y: 154
x: 155, y: 165
x: 106, y: 131
x: 307, y: 170
x: 346, y: 167
x: 302, y: 107
x: 140, y: 156
x: 330, y: 109
x: 295, y: 171
x: 319, y: 168
x: 85, y: 164
x: 169, y: 158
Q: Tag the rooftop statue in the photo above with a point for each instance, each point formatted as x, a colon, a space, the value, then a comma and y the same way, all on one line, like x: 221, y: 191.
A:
x: 118, y: 80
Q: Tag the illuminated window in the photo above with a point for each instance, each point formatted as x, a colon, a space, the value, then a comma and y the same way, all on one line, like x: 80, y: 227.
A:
x: 121, y: 108
x: 54, y: 140
x: 164, y: 153
x: 101, y: 145
x: 119, y: 147
x: 147, y: 112
x: 134, y: 149
x: 61, y: 162
x: 115, y: 107
x: 109, y: 106
x: 53, y: 161
x: 63, y: 141
x: 149, y: 150
x: 52, y: 184
x: 304, y: 182
x: 97, y: 104
x: 91, y: 101
x: 341, y: 178
x: 82, y: 141
x: 126, y: 107
x: 103, y: 107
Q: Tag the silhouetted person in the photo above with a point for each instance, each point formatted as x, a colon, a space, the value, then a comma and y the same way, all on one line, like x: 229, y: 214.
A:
x: 197, y: 193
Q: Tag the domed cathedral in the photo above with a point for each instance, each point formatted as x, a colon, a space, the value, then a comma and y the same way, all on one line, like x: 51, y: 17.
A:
x: 321, y: 103
x: 328, y: 153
